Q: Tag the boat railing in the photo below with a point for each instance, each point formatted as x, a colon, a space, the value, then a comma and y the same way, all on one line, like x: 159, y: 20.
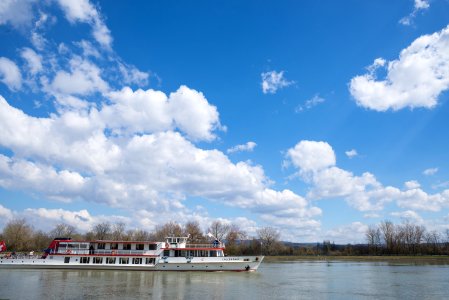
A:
x: 218, y: 245
x: 106, y: 252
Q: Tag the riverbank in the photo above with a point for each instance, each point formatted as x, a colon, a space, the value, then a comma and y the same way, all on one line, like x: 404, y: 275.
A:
x: 390, y: 259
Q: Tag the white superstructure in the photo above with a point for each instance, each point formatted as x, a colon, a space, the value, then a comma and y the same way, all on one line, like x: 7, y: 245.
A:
x: 172, y: 255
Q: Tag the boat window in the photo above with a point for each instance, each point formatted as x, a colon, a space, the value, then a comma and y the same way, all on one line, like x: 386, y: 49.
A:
x: 152, y: 246
x: 84, y: 245
x: 126, y: 246
x: 66, y: 260
x: 150, y: 261
x: 137, y: 260
x: 97, y: 260
x: 139, y: 246
x: 101, y: 246
x: 166, y: 252
x: 84, y: 260
x: 124, y: 260
x: 114, y: 246
x: 63, y: 245
x: 110, y: 260
x: 213, y: 253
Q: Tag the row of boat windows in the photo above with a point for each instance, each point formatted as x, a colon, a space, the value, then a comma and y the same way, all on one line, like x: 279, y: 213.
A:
x: 113, y: 260
x: 108, y: 246
x: 193, y: 253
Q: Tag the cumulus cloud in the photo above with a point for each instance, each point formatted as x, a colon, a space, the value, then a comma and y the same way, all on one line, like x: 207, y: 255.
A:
x: 419, y: 5
x: 415, y: 79
x: 316, y: 165
x: 408, y: 215
x: 430, y: 171
x: 84, y: 78
x: 412, y: 184
x: 34, y: 60
x: 272, y: 81
x: 249, y: 146
x: 152, y: 111
x: 351, y: 153
x: 314, y: 101
x: 83, y: 11
x: 154, y: 171
x: 10, y: 74
x: 16, y: 12
x: 312, y: 156
x: 353, y: 233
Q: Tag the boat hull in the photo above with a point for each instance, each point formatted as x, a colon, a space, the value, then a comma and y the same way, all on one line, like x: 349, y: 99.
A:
x: 172, y: 264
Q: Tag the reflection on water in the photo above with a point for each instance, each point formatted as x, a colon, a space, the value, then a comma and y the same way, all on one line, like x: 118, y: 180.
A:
x: 289, y: 280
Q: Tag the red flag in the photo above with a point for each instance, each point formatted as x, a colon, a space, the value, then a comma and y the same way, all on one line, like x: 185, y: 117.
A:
x: 2, y: 246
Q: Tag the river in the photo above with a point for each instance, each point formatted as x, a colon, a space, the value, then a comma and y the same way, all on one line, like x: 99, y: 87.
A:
x: 285, y: 280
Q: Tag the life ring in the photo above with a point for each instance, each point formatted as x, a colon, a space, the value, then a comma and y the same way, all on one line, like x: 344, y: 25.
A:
x: 114, y: 252
x: 68, y: 252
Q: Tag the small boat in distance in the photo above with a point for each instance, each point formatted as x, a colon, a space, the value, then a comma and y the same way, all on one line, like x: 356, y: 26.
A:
x: 172, y: 255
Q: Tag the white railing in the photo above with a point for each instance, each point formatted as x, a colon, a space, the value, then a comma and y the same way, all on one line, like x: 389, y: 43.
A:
x: 220, y: 245
x: 106, y: 252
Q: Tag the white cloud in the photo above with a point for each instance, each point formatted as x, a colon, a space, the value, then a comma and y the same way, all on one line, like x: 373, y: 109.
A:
x: 312, y: 156
x: 430, y: 171
x: 418, y: 6
x: 317, y: 166
x: 417, y: 199
x: 152, y: 111
x: 371, y: 216
x: 351, y: 153
x: 10, y: 74
x: 131, y: 75
x: 68, y: 156
x: 249, y: 146
x: 18, y: 13
x: 353, y: 233
x: 83, y: 11
x: 273, y: 81
x: 412, y: 184
x: 5, y: 213
x: 84, y: 78
x: 314, y: 101
x: 416, y: 79
x: 187, y: 105
x: 34, y: 60
x: 408, y: 215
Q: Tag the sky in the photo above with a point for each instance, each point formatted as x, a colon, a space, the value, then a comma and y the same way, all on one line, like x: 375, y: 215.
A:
x: 317, y: 118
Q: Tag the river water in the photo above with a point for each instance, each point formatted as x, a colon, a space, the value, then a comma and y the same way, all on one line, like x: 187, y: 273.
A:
x: 285, y: 280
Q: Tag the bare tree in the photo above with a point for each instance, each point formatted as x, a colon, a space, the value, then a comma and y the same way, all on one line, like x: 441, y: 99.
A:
x: 62, y: 230
x: 433, y: 240
x: 387, y: 229
x: 219, y: 229
x: 17, y: 234
x: 235, y: 233
x: 138, y: 235
x: 102, y: 231
x: 40, y: 241
x: 373, y: 239
x: 169, y: 229
x: 193, y: 230
x: 269, y: 238
x: 118, y: 232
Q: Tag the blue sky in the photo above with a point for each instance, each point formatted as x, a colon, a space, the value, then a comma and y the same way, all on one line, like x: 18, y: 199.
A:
x: 318, y: 118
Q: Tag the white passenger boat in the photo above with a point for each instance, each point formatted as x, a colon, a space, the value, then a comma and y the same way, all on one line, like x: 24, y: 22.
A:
x: 172, y: 255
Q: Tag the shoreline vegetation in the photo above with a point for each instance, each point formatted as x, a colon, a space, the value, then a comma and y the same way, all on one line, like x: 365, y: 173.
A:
x: 385, y: 241
x: 425, y: 259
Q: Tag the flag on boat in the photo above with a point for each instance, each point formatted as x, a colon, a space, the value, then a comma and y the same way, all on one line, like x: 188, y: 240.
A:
x: 2, y: 246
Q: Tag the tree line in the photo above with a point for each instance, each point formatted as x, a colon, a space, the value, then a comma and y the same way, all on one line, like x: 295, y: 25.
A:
x: 385, y: 238
x: 407, y: 238
x: 21, y: 236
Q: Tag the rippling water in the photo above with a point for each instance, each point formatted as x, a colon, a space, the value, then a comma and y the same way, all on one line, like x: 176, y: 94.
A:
x: 287, y: 280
